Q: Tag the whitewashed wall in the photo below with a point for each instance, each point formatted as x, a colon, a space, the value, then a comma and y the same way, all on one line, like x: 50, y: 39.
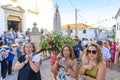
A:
x: 2, y: 20
x: 90, y: 33
x: 44, y: 19
x: 118, y: 29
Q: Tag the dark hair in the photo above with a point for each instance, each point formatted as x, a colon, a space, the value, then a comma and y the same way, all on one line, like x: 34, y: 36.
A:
x: 99, y: 43
x: 68, y: 26
x: 0, y: 38
x: 1, y: 43
x: 9, y: 43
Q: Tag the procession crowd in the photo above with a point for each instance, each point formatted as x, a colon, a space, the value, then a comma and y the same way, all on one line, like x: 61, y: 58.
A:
x: 7, y: 53
x: 87, y: 60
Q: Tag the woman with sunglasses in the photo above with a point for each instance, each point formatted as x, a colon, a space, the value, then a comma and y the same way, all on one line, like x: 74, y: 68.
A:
x: 93, y: 68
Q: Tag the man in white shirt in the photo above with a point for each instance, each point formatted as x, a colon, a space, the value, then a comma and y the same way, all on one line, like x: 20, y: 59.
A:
x: 105, y: 51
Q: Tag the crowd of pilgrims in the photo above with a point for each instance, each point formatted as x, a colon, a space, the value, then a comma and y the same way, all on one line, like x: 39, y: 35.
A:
x: 7, y: 52
x: 12, y: 36
x: 87, y: 60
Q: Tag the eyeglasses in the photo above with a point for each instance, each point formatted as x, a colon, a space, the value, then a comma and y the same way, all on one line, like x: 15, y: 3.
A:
x: 92, y: 51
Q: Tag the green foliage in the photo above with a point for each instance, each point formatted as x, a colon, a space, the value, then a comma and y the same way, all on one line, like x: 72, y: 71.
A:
x: 54, y: 41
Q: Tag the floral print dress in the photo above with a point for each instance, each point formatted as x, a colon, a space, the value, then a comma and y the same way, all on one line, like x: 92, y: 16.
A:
x: 63, y: 75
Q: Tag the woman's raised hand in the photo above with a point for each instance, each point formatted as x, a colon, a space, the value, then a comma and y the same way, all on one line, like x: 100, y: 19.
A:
x: 30, y: 57
x: 27, y: 59
x: 58, y: 57
x: 63, y: 63
x: 89, y: 66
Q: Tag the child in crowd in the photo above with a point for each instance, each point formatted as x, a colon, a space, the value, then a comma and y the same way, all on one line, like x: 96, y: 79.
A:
x: 10, y: 57
x: 19, y: 49
x: 3, y: 60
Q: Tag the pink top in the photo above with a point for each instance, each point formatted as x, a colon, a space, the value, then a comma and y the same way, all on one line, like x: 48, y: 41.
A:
x: 114, y: 47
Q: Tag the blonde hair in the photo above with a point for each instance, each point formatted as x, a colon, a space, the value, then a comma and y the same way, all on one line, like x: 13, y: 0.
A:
x: 34, y: 49
x: 72, y: 56
x: 99, y: 55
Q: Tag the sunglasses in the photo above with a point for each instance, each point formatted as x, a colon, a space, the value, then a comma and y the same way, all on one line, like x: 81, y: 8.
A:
x: 92, y: 51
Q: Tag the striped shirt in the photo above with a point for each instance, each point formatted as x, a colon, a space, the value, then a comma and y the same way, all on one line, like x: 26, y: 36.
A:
x: 2, y: 50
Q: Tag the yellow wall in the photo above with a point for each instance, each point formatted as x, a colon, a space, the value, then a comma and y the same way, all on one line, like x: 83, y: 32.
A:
x: 72, y: 26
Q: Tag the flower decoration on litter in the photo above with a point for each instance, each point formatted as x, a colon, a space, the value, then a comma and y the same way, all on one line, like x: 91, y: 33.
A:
x: 54, y: 41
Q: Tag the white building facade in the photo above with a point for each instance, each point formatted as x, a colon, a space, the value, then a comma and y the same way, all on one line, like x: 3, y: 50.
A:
x: 21, y: 14
x: 82, y: 33
x: 118, y: 26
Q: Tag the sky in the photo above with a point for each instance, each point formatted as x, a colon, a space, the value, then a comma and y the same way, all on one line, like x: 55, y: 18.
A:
x: 91, y: 12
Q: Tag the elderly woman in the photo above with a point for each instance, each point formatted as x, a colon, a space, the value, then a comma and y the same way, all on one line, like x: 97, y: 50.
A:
x: 28, y: 65
x: 93, y: 67
x: 66, y: 64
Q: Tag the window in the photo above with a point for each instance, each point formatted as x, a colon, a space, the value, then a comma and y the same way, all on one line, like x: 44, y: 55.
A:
x: 84, y: 31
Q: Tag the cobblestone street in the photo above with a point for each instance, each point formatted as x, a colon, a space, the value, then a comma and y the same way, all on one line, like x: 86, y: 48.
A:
x: 113, y: 74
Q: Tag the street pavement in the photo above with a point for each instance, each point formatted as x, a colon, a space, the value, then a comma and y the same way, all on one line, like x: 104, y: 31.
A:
x: 113, y: 74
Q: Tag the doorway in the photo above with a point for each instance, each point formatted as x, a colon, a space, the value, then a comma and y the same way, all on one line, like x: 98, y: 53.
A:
x: 13, y: 25
x: 13, y: 22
